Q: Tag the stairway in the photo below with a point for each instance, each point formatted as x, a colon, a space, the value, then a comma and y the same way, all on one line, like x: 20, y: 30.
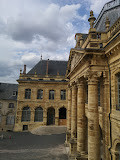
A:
x: 48, y: 130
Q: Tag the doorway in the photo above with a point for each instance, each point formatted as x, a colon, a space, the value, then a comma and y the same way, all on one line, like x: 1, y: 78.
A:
x: 51, y: 116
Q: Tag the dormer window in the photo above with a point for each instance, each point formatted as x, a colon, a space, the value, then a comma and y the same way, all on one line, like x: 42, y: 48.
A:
x: 11, y: 105
x: 14, y: 93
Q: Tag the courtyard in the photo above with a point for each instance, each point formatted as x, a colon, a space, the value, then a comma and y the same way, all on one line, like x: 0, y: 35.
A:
x: 27, y: 146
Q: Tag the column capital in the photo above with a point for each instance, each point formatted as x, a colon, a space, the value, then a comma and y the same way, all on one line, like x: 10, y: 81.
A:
x: 74, y: 84
x: 93, y: 76
x: 80, y: 81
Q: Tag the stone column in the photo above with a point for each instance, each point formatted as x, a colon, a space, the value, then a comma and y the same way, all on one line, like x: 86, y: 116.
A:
x: 68, y: 134
x: 74, y: 112
x: 69, y: 109
x: 45, y: 117
x: 106, y: 110
x: 81, y: 118
x: 93, y: 119
x: 73, y: 142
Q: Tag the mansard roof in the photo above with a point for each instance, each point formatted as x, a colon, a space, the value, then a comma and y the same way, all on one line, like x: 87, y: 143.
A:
x: 54, y: 68
x: 6, y: 91
x: 110, y: 10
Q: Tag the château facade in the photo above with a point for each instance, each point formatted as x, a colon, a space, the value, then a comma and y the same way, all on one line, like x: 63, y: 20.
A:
x: 42, y: 96
x: 93, y: 122
x: 8, y: 105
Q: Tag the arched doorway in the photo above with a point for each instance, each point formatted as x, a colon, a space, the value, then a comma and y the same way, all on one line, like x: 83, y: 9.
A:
x: 51, y: 116
x: 62, y: 116
x: 118, y: 151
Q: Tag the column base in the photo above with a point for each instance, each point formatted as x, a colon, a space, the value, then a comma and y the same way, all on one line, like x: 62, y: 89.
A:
x: 81, y: 156
x: 68, y: 136
x: 73, y: 147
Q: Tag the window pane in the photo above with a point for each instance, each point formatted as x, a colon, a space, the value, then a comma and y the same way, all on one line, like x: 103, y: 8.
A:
x: 11, y: 105
x: 27, y: 93
x: 10, y: 120
x: 40, y: 94
x: 39, y: 114
x: 26, y: 113
x: 51, y: 94
x: 63, y: 94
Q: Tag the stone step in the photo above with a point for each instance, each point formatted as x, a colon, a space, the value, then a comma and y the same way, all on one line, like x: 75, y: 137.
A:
x: 48, y: 130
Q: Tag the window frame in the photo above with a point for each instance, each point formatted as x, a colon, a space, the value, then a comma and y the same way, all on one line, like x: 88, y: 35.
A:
x: 38, y: 114
x: 63, y: 96
x: 27, y: 93
x: 11, y: 105
x: 10, y: 119
x: 51, y: 94
x: 40, y: 94
x: 26, y: 114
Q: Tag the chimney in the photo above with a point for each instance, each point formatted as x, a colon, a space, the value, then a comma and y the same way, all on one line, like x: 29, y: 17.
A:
x: 47, y: 67
x: 24, y: 71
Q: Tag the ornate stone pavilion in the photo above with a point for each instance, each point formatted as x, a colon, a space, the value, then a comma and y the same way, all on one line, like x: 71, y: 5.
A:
x: 42, y: 96
x: 93, y: 121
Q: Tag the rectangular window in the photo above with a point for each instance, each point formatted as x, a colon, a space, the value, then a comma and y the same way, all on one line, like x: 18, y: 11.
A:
x: 11, y: 105
x: 27, y: 93
x: 40, y: 94
x: 14, y: 93
x: 63, y: 94
x: 51, y: 94
x: 10, y: 120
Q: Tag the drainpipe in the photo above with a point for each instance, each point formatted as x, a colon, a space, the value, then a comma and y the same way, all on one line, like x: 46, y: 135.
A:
x: 110, y: 110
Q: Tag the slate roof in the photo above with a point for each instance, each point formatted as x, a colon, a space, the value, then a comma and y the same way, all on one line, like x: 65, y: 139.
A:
x: 53, y: 68
x: 110, y: 10
x: 6, y: 91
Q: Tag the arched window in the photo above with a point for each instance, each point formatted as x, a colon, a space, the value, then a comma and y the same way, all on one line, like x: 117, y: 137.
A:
x: 40, y: 94
x: 27, y: 93
x: 118, y: 151
x: 10, y: 119
x: 38, y: 114
x: 26, y: 114
x: 51, y: 94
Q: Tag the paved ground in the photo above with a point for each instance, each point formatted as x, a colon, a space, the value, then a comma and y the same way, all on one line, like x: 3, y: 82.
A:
x: 26, y: 146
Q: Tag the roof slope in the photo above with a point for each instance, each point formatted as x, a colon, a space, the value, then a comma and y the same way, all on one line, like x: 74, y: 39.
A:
x: 54, y: 67
x: 110, y: 10
x: 6, y: 91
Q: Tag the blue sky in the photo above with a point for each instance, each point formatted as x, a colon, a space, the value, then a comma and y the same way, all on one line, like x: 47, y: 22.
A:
x: 29, y: 28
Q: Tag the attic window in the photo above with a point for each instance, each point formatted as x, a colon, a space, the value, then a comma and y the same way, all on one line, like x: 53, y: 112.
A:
x: 28, y: 78
x: 52, y: 79
x: 14, y: 93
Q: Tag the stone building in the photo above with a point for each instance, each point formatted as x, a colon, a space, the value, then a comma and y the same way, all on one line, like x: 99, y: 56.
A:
x: 8, y: 104
x: 42, y: 95
x: 93, y: 121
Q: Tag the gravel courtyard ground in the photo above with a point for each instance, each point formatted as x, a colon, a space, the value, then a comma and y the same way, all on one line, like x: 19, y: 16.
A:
x: 26, y: 146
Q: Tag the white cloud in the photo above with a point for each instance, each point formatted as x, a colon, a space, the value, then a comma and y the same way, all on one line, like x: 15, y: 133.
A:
x: 31, y: 28
x: 96, y: 5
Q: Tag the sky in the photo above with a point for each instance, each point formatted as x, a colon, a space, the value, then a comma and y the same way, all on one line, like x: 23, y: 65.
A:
x: 31, y: 28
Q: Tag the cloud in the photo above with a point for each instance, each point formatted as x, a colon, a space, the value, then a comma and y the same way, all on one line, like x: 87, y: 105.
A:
x: 96, y: 5
x: 31, y: 28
